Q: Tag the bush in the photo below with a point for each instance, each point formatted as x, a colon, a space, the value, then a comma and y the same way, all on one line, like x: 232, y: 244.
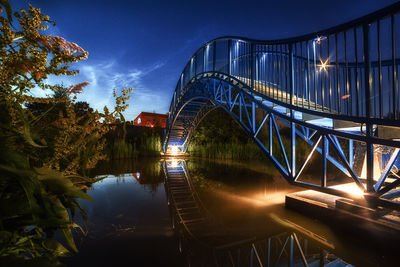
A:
x: 46, y: 144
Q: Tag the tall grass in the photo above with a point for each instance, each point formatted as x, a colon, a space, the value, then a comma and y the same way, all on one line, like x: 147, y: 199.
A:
x: 218, y: 136
x: 233, y: 150
x: 121, y: 149
x: 136, y: 142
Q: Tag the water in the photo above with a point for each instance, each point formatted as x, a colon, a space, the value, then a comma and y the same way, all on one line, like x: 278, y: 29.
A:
x: 239, y: 217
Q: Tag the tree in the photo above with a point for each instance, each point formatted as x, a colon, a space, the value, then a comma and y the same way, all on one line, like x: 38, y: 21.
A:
x: 46, y: 144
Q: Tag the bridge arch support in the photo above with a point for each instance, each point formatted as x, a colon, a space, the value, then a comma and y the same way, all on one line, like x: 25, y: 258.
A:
x: 332, y: 99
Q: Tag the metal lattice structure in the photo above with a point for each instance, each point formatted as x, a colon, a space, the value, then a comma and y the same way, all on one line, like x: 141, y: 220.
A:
x: 337, y: 90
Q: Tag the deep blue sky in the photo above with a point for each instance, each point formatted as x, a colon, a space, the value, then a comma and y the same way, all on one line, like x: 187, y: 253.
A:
x: 145, y: 44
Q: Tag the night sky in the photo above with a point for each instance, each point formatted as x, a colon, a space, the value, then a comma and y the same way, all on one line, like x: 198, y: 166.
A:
x: 145, y: 44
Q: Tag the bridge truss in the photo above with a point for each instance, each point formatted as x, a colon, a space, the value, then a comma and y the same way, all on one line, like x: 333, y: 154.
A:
x: 336, y: 90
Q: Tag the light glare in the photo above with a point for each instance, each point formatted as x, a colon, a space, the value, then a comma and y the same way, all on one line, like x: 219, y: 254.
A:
x: 175, y: 150
x: 174, y: 163
x: 323, y: 65
x: 350, y: 188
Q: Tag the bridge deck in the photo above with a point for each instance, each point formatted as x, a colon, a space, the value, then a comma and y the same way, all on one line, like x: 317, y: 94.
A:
x: 274, y: 92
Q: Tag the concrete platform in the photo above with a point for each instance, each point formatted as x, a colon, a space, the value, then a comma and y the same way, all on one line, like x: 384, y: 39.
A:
x: 346, y: 213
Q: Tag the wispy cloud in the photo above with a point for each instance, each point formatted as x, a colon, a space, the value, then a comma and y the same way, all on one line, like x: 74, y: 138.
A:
x: 104, y: 77
x: 107, y: 75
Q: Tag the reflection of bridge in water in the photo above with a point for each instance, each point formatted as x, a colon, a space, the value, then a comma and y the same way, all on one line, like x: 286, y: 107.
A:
x: 206, y: 243
x: 336, y: 90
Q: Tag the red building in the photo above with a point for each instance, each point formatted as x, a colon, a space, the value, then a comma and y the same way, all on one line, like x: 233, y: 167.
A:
x: 148, y: 119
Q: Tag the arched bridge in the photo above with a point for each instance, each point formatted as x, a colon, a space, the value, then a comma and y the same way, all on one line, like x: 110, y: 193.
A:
x: 337, y: 90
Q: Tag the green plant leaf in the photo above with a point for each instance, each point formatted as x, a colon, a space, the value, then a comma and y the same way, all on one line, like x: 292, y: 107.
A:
x: 67, y: 233
x: 60, y: 184
x: 28, y: 137
x: 56, y: 248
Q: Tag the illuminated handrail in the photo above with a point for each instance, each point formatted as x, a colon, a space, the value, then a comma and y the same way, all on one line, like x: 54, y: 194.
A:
x: 350, y: 71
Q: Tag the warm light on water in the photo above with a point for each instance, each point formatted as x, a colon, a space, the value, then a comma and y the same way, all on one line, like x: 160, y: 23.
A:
x: 258, y: 199
x: 174, y: 163
x: 135, y: 222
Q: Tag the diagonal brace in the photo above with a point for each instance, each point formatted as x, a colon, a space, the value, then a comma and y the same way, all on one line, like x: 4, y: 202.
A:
x: 342, y: 157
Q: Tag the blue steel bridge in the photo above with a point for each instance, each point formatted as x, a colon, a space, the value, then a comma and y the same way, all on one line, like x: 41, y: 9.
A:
x: 336, y: 89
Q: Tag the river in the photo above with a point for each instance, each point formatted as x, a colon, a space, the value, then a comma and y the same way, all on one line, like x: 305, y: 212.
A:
x: 235, y: 215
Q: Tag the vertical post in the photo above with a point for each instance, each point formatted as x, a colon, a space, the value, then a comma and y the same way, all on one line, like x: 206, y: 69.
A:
x: 270, y: 134
x: 337, y: 73
x: 329, y: 78
x: 356, y: 78
x: 380, y: 70
x: 351, y: 155
x: 368, y: 108
x: 252, y: 68
x: 229, y: 56
x: 321, y: 77
x: 395, y: 94
x: 347, y: 86
x: 324, y: 155
x: 205, y: 57
x: 195, y: 65
x: 214, y: 55
x: 230, y: 96
x: 191, y: 68
x: 315, y: 75
x: 182, y: 80
x: 292, y: 124
x: 240, y: 107
x: 308, y: 76
x: 215, y: 89
x: 253, y: 116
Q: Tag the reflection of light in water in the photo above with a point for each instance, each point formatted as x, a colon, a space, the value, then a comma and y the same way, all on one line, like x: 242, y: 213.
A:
x: 136, y: 175
x: 174, y: 163
x: 351, y: 188
x: 259, y: 199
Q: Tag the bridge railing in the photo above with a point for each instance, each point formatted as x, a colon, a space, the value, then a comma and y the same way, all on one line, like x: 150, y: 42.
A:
x: 351, y: 70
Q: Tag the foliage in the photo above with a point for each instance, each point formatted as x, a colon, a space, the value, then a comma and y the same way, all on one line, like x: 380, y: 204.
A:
x: 131, y: 141
x: 218, y: 136
x: 46, y: 147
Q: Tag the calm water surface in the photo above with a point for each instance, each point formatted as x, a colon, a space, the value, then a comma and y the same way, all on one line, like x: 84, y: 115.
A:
x: 133, y: 221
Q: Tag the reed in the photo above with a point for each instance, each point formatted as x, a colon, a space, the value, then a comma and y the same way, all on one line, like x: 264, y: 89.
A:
x: 136, y: 142
x: 218, y: 136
